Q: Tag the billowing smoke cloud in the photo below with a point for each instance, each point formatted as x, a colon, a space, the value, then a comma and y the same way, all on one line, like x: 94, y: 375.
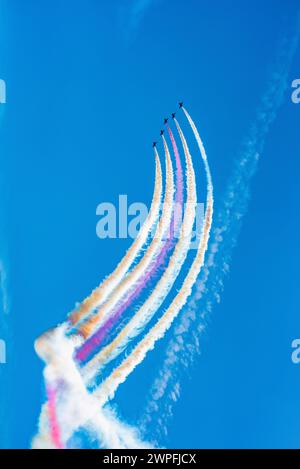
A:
x: 70, y: 406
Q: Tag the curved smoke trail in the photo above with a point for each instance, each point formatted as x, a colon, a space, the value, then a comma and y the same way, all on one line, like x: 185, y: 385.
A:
x: 88, y: 327
x: 100, y: 294
x: 95, y: 340
x: 108, y: 388
x: 71, y: 406
x: 146, y: 312
x: 184, y: 345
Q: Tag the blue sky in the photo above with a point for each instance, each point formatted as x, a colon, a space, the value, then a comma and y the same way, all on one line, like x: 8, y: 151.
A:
x: 88, y: 84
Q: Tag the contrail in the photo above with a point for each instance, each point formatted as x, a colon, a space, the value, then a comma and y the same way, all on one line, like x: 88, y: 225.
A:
x: 146, y: 312
x: 184, y: 345
x: 100, y: 294
x: 88, y: 327
x: 109, y: 386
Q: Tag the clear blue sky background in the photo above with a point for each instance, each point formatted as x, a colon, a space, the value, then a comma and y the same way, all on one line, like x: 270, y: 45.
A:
x: 88, y: 83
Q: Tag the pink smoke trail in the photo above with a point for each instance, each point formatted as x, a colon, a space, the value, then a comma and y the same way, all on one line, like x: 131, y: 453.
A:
x: 53, y: 422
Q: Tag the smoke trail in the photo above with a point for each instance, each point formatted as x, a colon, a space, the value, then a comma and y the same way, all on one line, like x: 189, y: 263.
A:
x: 184, y: 345
x: 146, y: 312
x: 102, y: 426
x: 75, y: 407
x: 100, y: 294
x: 130, y: 281
x: 96, y: 339
x: 53, y: 423
x: 70, y: 406
x: 108, y: 388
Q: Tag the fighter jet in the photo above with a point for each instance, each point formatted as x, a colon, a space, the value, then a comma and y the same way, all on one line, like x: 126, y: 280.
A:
x: 173, y: 115
x: 165, y: 120
x: 161, y: 133
x: 180, y: 105
x: 154, y: 144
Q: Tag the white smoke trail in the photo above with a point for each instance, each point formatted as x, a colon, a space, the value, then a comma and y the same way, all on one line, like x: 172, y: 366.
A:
x: 109, y: 386
x: 154, y: 301
x: 76, y: 408
x: 100, y: 294
x: 149, y: 257
x: 184, y: 345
